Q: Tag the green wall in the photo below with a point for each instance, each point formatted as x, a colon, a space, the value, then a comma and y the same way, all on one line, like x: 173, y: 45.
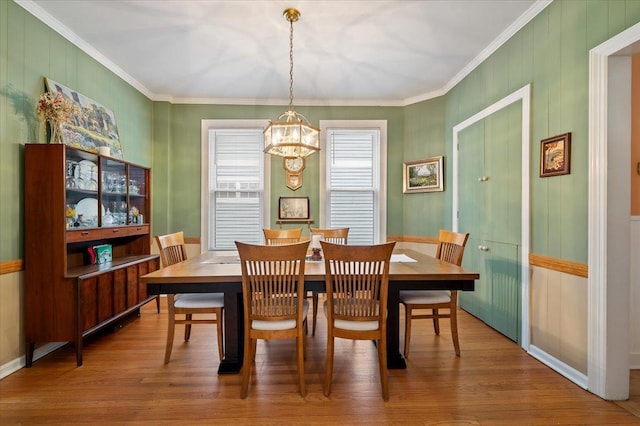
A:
x: 30, y: 51
x: 177, y: 153
x: 424, y: 136
x: 551, y: 52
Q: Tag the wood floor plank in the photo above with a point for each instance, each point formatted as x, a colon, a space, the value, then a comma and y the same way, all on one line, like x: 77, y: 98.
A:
x: 632, y: 405
x: 124, y: 381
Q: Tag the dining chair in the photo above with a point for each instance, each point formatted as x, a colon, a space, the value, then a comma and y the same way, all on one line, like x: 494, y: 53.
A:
x: 273, y: 301
x: 276, y: 237
x: 450, y: 249
x: 172, y: 251
x: 357, y: 283
x: 331, y: 235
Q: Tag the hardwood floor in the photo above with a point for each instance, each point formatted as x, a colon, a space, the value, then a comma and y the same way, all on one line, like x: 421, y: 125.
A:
x: 124, y: 381
x: 632, y: 405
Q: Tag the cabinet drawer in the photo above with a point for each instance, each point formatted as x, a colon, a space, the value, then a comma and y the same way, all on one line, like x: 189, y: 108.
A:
x: 79, y: 235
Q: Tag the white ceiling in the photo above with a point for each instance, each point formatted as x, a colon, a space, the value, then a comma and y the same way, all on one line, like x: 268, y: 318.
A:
x: 356, y: 52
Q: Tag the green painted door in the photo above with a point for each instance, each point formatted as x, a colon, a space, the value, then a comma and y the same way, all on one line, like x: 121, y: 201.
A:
x: 489, y: 197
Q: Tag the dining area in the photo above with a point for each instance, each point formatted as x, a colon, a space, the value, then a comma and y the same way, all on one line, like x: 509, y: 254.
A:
x: 362, y: 294
x: 336, y: 380
x: 125, y: 381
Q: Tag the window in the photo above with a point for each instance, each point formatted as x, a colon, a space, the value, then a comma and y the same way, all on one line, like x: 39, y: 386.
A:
x: 353, y: 179
x: 234, y: 199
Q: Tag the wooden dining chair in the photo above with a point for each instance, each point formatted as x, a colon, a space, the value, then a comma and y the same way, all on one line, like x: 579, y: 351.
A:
x: 277, y: 237
x: 273, y: 301
x: 173, y: 250
x: 357, y: 283
x: 331, y: 235
x: 450, y: 249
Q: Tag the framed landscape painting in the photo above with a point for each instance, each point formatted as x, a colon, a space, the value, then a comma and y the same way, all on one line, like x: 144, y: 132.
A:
x: 426, y: 175
x: 93, y: 128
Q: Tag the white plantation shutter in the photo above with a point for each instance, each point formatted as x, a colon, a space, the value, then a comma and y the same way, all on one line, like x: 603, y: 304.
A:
x: 353, y: 176
x: 236, y: 187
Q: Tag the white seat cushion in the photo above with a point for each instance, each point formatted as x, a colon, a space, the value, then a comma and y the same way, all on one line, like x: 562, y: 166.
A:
x: 425, y: 297
x: 280, y: 325
x: 352, y: 325
x: 199, y: 300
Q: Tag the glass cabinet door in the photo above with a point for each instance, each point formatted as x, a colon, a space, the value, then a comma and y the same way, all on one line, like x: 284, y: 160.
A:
x: 81, y: 190
x: 137, y: 195
x: 114, y: 192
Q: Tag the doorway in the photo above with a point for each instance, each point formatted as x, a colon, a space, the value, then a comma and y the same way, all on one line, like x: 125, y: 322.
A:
x: 609, y: 258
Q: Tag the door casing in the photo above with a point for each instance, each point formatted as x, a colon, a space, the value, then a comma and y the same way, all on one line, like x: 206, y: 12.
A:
x: 521, y: 95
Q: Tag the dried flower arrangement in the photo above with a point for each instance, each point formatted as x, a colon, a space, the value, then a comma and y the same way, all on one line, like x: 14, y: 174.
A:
x: 56, y: 107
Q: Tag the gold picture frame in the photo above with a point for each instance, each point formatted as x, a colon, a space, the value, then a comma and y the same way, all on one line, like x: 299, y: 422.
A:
x: 426, y: 175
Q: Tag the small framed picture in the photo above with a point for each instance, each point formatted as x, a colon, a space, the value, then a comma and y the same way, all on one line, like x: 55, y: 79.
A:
x: 293, y: 208
x: 426, y: 175
x: 555, y: 155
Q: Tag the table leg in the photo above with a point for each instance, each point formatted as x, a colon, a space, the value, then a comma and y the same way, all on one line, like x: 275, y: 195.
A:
x: 233, y: 333
x: 79, y: 352
x: 29, y: 349
x: 395, y: 360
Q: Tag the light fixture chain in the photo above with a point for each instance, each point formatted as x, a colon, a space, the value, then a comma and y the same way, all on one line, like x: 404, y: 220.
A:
x: 292, y: 135
x: 291, y: 65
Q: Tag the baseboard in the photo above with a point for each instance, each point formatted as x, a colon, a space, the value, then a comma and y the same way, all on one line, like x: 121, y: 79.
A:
x: 567, y: 371
x: 18, y: 363
x: 634, y: 361
x: 11, y: 367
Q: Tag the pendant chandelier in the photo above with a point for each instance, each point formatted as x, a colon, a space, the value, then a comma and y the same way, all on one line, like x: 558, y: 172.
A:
x: 291, y: 135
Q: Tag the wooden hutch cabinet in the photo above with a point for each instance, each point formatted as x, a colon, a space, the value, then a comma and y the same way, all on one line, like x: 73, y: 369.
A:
x: 74, y: 201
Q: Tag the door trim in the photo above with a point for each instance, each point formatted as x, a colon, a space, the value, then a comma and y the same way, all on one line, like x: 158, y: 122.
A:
x: 523, y: 94
x: 607, y: 352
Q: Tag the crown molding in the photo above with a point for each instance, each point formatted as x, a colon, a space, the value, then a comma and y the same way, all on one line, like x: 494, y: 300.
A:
x: 523, y: 20
x: 72, y: 37
x: 425, y: 97
x: 64, y: 31
x: 283, y: 102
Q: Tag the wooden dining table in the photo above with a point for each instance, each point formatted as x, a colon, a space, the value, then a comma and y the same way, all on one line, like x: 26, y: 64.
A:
x: 211, y: 273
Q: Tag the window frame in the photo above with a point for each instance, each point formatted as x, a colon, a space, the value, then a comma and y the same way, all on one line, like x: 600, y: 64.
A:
x: 206, y: 126
x: 380, y: 198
